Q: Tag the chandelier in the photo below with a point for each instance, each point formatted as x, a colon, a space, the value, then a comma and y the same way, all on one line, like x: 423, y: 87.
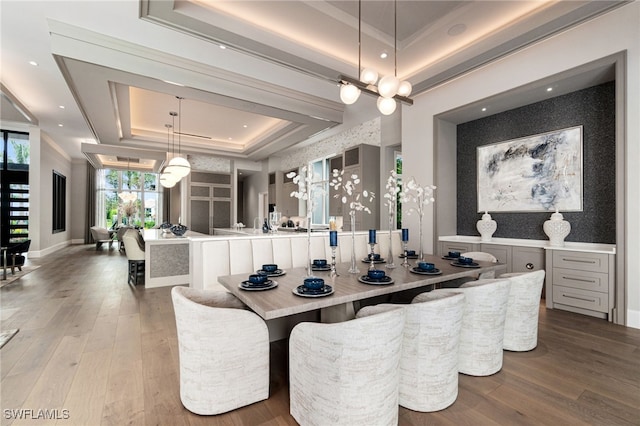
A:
x: 389, y: 89
x: 128, y: 196
x: 168, y: 179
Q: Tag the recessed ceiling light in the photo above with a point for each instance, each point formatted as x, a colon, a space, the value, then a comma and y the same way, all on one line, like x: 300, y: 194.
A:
x: 61, y: 106
x: 245, y: 126
x: 60, y: 125
x: 549, y: 89
x: 230, y: 139
x: 222, y: 46
x: 34, y: 63
x: 384, y: 55
x: 484, y: 109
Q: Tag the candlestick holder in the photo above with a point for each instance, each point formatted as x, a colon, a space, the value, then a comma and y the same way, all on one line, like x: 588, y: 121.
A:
x: 405, y: 262
x: 372, y: 257
x: 333, y: 273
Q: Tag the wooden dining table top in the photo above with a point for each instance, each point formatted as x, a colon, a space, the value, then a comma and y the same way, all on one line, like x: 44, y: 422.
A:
x: 281, y: 300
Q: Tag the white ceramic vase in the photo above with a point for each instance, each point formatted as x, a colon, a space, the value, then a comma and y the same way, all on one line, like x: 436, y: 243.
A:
x: 556, y: 229
x: 486, y: 227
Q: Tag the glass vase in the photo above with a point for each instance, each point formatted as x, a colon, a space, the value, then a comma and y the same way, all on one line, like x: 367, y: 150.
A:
x: 354, y: 269
x: 421, y: 252
x: 309, y: 270
x: 390, y: 263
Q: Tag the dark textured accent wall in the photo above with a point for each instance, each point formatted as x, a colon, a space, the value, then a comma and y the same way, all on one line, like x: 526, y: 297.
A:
x: 594, y: 109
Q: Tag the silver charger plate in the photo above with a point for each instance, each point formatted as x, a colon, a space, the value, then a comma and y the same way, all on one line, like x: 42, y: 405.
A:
x: 415, y: 270
x: 321, y: 268
x: 464, y: 265
x: 276, y: 273
x: 300, y: 291
x: 381, y: 260
x: 411, y: 256
x: 384, y: 281
x: 249, y: 287
x: 449, y: 258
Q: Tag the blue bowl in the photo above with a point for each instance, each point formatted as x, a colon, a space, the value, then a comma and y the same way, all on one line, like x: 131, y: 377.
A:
x: 411, y: 252
x: 376, y: 274
x: 179, y: 230
x: 320, y: 263
x: 454, y: 254
x: 465, y: 260
x: 313, y: 283
x: 270, y: 267
x: 426, y: 266
x: 376, y: 256
x: 257, y: 278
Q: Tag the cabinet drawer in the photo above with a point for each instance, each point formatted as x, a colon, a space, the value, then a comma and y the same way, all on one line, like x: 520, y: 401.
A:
x: 526, y: 259
x: 502, y: 253
x: 581, y: 298
x: 461, y: 247
x: 594, y: 262
x: 584, y: 280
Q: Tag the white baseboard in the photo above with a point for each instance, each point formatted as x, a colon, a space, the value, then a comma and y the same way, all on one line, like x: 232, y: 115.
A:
x: 40, y: 253
x: 633, y: 318
x: 77, y: 241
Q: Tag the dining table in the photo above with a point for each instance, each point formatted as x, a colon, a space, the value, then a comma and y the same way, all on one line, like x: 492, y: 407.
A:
x: 283, y: 300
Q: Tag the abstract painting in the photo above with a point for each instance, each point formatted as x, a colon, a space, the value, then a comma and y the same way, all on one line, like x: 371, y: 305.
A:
x: 535, y: 173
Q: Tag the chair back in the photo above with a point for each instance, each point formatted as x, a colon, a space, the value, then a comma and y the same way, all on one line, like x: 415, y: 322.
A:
x: 99, y: 233
x: 481, y: 256
x: 131, y: 245
x: 19, y: 248
x: 523, y: 308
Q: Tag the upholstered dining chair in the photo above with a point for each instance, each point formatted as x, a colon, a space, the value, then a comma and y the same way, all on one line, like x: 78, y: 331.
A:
x: 483, y: 257
x: 482, y: 333
x: 120, y: 233
x: 523, y: 308
x: 223, y: 351
x: 134, y: 249
x: 429, y: 363
x: 346, y: 373
x: 101, y: 235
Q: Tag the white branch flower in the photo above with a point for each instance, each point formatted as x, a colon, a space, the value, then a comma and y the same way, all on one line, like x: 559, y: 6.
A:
x: 393, y: 191
x: 306, y: 188
x: 421, y: 196
x: 347, y: 192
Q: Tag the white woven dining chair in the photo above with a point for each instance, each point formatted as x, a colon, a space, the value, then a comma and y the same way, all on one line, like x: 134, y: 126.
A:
x: 482, y: 333
x: 223, y: 350
x: 346, y: 373
x: 523, y: 308
x: 429, y: 363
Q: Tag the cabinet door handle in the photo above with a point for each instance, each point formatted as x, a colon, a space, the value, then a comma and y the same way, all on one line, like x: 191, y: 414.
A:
x: 529, y: 266
x: 578, y: 260
x: 579, y: 298
x: 579, y: 279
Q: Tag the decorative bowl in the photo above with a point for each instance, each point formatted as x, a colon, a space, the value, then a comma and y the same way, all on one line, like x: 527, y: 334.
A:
x: 376, y: 256
x: 376, y: 274
x: 411, y: 252
x: 426, y: 266
x: 179, y: 230
x: 270, y: 267
x: 454, y: 254
x: 465, y: 260
x: 257, y: 278
x: 320, y: 263
x: 313, y: 283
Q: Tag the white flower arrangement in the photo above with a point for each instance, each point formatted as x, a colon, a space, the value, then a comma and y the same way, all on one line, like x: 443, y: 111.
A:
x: 348, y: 194
x: 421, y: 196
x: 393, y: 192
x: 306, y: 188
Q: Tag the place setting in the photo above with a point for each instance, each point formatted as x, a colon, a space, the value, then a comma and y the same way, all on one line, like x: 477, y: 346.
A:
x: 409, y: 254
x: 465, y: 262
x: 271, y: 270
x: 425, y: 268
x: 258, y: 282
x: 452, y: 255
x: 372, y: 257
x: 320, y: 265
x: 313, y: 287
x: 376, y: 277
x: 376, y: 258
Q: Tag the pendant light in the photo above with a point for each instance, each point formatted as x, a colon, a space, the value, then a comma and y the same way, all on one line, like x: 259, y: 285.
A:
x: 179, y: 166
x: 167, y: 179
x: 389, y: 88
x: 128, y: 196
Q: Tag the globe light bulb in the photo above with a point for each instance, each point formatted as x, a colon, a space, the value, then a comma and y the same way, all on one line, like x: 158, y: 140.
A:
x: 405, y: 88
x: 369, y: 76
x: 179, y: 167
x: 349, y: 93
x: 388, y: 86
x: 386, y: 106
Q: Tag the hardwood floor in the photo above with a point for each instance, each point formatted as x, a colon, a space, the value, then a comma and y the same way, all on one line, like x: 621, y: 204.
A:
x: 93, y: 350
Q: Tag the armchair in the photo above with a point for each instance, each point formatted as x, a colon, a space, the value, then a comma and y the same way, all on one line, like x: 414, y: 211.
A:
x: 101, y: 235
x: 14, y: 256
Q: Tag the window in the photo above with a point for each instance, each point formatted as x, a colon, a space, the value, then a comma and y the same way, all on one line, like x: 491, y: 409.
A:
x: 14, y: 187
x: 398, y: 157
x: 59, y: 202
x: 114, y: 209
x: 321, y: 177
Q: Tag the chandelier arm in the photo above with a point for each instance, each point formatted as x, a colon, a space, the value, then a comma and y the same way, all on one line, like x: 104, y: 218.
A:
x: 371, y: 89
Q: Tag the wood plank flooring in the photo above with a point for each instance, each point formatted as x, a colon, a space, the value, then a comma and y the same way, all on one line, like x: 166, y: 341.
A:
x: 93, y: 350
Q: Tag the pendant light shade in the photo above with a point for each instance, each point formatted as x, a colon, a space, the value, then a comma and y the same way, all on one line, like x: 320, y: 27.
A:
x: 405, y: 88
x: 349, y: 93
x: 179, y: 167
x: 388, y: 86
x: 386, y: 106
x: 167, y: 180
x: 369, y: 76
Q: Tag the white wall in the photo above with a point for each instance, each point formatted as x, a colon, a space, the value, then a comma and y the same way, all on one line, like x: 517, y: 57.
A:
x: 614, y: 32
x: 77, y: 184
